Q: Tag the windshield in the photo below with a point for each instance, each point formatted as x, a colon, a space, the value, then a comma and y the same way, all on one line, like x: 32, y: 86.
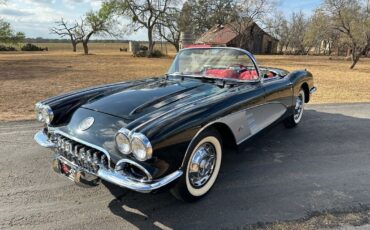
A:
x: 224, y: 63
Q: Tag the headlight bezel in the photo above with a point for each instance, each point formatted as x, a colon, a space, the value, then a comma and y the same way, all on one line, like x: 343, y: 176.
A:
x: 44, y: 113
x: 38, y: 111
x: 47, y: 114
x: 126, y: 134
x: 146, y: 146
x: 145, y: 143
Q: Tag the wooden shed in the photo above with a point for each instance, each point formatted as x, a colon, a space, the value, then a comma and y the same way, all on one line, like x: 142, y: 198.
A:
x: 249, y: 37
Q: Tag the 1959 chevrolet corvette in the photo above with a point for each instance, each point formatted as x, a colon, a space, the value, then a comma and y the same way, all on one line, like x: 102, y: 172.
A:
x: 170, y: 131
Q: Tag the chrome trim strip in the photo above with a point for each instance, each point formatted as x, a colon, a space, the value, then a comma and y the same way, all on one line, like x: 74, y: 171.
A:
x: 55, y: 131
x: 313, y: 90
x: 42, y: 139
x: 123, y: 181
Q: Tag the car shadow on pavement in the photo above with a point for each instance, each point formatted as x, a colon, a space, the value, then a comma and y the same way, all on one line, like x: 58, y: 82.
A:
x: 283, y: 174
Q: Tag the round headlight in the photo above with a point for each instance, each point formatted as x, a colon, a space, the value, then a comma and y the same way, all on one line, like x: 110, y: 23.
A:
x: 123, y: 141
x: 141, y: 147
x: 47, y: 114
x: 38, y: 111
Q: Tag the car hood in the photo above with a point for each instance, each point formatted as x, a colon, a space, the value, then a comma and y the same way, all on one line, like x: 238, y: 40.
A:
x: 154, y: 96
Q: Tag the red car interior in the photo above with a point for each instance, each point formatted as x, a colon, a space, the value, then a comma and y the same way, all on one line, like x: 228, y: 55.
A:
x: 222, y: 73
x: 229, y: 73
x: 248, y: 75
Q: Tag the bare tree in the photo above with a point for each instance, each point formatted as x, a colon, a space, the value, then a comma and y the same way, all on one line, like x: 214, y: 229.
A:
x: 279, y: 26
x: 169, y: 27
x: 143, y: 14
x: 320, y: 33
x: 245, y: 14
x: 299, y: 23
x: 198, y: 16
x: 95, y: 23
x: 352, y: 19
x: 63, y: 29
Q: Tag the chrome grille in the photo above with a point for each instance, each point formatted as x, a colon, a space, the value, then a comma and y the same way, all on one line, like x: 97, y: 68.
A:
x: 86, y: 157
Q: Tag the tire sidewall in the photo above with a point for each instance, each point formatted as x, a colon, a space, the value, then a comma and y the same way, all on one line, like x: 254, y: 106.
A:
x: 301, y: 92
x: 206, y: 187
x: 180, y: 190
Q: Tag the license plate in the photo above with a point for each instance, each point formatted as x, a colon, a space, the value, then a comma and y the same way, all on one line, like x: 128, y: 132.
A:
x: 66, y: 170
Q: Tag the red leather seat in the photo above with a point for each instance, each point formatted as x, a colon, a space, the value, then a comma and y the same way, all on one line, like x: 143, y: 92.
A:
x: 248, y: 75
x: 221, y: 73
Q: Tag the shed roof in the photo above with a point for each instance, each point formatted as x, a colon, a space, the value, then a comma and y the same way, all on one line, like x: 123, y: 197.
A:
x: 223, y: 34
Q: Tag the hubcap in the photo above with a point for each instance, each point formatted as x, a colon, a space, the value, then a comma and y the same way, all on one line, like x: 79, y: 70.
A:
x: 298, y: 111
x: 202, y: 165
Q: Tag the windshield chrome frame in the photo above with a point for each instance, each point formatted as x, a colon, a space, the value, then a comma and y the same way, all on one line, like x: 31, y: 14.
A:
x: 254, y: 61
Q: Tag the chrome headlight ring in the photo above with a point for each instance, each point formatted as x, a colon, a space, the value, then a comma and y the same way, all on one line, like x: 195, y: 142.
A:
x: 47, y: 114
x: 123, y: 141
x: 38, y: 111
x: 141, y: 147
x: 44, y: 113
x: 136, y: 143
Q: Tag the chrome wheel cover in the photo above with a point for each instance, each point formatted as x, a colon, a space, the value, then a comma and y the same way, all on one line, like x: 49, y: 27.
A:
x: 202, y: 165
x: 299, y: 107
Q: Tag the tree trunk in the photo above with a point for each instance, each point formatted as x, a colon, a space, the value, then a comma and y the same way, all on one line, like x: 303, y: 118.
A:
x: 357, y: 55
x: 281, y: 47
x: 86, y: 48
x: 177, y: 46
x: 355, y: 60
x: 150, y: 40
x: 353, y: 54
x: 286, y: 48
x: 74, y: 46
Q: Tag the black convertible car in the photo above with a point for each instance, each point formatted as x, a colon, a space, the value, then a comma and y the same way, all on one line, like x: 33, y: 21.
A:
x: 170, y: 131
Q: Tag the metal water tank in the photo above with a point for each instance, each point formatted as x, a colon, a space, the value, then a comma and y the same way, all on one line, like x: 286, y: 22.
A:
x: 134, y: 47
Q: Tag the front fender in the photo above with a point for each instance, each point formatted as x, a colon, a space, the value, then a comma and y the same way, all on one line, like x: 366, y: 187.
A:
x: 299, y: 79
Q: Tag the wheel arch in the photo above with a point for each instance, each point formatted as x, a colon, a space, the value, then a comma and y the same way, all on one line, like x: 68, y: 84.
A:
x: 306, y: 92
x: 227, y: 137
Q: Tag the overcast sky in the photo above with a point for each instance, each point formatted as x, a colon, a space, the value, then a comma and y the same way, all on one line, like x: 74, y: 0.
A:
x: 35, y: 17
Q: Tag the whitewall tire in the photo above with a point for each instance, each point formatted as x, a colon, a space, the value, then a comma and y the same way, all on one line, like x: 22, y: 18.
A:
x: 202, y: 167
x: 297, y: 115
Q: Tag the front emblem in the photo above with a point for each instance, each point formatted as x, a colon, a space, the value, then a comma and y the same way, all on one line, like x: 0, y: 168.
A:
x: 86, y: 123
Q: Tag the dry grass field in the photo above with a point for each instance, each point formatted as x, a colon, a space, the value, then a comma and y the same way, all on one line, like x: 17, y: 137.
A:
x: 28, y: 77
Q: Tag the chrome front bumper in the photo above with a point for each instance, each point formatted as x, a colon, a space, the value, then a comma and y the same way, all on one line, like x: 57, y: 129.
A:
x: 43, y: 140
x: 313, y: 90
x: 110, y: 175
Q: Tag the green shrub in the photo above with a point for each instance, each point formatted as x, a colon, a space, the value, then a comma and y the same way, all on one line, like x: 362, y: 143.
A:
x: 156, y: 54
x: 143, y: 48
x: 7, y: 48
x: 32, y: 47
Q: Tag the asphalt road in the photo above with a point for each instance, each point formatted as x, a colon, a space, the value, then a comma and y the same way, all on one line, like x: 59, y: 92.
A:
x: 324, y: 164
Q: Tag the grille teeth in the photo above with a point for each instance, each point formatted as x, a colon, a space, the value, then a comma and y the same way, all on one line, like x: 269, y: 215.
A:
x: 86, y: 157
